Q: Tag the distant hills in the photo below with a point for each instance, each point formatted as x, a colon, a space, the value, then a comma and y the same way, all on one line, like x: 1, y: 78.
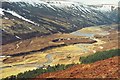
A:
x: 39, y: 18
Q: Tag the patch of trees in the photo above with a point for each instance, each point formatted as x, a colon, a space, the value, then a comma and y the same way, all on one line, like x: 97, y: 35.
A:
x: 100, y: 56
x: 84, y: 60
x: 32, y: 74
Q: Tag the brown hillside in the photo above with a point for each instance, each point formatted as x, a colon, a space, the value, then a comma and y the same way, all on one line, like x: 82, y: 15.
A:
x: 108, y: 68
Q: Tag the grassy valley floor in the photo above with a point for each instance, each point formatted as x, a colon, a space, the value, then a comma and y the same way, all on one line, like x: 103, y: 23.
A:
x: 76, y: 46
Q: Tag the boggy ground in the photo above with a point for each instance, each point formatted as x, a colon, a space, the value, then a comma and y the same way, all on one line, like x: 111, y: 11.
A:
x: 31, y: 54
x: 38, y: 43
x: 74, y: 48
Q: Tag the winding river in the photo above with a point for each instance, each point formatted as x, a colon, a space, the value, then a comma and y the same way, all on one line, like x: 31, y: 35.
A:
x: 49, y: 57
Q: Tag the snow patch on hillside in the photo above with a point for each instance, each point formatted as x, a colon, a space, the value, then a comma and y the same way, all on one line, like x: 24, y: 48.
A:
x: 48, y: 3
x: 62, y: 3
x: 106, y: 7
x: 27, y: 1
x: 17, y: 15
x: 1, y: 11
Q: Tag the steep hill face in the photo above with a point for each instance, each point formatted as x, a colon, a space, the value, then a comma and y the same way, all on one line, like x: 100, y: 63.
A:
x: 37, y: 18
x: 108, y: 68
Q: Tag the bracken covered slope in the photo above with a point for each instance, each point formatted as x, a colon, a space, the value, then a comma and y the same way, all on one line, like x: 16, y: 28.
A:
x: 108, y: 68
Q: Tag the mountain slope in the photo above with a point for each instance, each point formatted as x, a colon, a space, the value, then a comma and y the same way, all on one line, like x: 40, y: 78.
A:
x: 37, y: 18
x: 108, y: 68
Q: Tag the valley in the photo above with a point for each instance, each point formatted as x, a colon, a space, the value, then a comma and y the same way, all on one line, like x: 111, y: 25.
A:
x: 42, y: 36
x: 57, y: 49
